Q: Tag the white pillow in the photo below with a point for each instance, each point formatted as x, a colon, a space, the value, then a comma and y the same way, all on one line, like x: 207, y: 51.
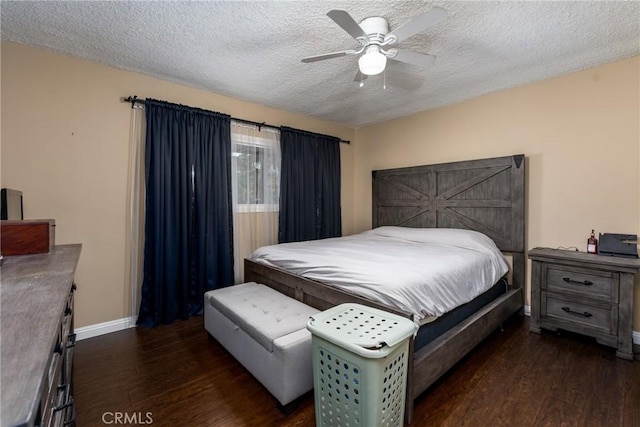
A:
x: 451, y: 237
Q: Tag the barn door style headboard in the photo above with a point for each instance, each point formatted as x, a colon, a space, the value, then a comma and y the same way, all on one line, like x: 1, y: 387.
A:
x: 484, y: 195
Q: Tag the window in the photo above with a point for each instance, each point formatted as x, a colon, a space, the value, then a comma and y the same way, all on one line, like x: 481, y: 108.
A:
x: 255, y: 168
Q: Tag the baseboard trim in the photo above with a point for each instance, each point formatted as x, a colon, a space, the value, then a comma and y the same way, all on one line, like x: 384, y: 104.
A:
x: 130, y: 322
x: 104, y: 328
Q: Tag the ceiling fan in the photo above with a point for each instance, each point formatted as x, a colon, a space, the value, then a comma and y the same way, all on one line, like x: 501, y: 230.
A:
x: 377, y: 43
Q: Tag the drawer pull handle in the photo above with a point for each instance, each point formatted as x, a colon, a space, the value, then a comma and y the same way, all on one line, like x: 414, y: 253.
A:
x: 72, y: 419
x: 584, y: 313
x: 583, y: 282
x: 59, y: 347
x: 71, y: 341
x: 67, y: 397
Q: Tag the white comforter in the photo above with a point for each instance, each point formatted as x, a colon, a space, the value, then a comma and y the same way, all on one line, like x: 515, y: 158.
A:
x: 426, y: 271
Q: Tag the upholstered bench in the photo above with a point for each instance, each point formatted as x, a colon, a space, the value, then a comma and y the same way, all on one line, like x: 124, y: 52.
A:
x: 266, y: 332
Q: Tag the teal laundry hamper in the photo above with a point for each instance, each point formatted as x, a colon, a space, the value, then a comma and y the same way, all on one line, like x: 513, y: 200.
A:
x: 360, y: 358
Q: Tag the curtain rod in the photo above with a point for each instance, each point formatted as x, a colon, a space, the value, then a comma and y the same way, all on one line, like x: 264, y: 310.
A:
x: 133, y: 99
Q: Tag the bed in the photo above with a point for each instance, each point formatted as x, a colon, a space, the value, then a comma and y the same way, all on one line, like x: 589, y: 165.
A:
x: 484, y: 195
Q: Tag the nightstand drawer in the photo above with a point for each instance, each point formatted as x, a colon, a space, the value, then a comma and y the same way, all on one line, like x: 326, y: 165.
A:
x: 597, y: 284
x: 594, y: 316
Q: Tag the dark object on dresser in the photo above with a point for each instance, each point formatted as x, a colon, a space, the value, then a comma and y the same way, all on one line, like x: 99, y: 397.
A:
x: 37, y: 322
x: 584, y: 293
x: 621, y: 245
x: 27, y: 237
x: 11, y: 204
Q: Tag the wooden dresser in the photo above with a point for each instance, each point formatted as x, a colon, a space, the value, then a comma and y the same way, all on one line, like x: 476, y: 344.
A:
x: 584, y: 293
x: 36, y: 320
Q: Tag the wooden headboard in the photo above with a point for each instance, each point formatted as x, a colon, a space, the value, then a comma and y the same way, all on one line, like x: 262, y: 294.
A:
x: 485, y: 195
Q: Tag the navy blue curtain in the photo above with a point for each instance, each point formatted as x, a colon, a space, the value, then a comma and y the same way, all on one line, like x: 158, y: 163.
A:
x: 188, y: 231
x: 309, y: 186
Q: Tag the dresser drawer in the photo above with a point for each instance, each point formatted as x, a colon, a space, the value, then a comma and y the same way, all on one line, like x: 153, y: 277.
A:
x: 580, y: 316
x: 590, y: 283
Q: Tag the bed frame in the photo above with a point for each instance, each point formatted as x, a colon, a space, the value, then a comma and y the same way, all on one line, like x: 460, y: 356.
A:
x: 484, y: 195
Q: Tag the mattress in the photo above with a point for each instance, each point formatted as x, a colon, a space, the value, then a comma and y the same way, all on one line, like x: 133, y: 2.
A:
x: 426, y: 272
x: 430, y: 331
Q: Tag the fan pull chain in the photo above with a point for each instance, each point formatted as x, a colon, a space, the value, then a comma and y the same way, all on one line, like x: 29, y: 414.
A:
x: 384, y: 79
x: 361, y: 80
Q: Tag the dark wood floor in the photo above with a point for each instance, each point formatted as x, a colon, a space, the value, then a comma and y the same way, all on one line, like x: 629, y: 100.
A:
x: 514, y: 378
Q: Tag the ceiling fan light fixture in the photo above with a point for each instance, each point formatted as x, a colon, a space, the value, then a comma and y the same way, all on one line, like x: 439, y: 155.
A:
x: 373, y: 61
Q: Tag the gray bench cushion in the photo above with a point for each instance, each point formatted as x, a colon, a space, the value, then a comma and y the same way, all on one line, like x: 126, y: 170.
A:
x: 263, y: 313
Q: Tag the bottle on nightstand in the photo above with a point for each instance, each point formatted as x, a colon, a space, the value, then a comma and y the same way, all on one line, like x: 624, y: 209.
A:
x: 592, y: 243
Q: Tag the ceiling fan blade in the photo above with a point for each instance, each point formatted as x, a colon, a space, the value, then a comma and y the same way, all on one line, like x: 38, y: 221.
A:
x: 399, y: 77
x: 432, y: 17
x: 360, y: 76
x: 342, y: 18
x: 396, y: 77
x: 327, y: 56
x: 413, y: 58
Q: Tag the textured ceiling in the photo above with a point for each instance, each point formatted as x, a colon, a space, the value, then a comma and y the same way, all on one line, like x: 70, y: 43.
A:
x: 252, y: 50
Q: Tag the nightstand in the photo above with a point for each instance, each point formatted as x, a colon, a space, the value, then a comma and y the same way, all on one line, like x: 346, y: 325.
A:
x: 584, y: 293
